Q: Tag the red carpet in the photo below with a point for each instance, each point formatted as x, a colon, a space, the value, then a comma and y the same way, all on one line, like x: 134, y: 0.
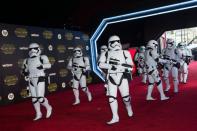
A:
x: 177, y: 114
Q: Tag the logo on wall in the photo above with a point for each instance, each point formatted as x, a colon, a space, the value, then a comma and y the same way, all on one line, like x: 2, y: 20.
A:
x: 63, y: 84
x: 10, y: 80
x: 8, y: 49
x: 41, y: 47
x: 70, y: 48
x: 47, y: 34
x: 70, y: 83
x: 63, y: 72
x: 7, y: 65
x: 10, y: 96
x: 69, y: 36
x: 52, y: 87
x: 24, y: 93
x: 85, y: 37
x: 35, y: 35
x: 4, y: 33
x: 21, y: 32
x: 89, y: 79
x: 20, y: 63
x: 61, y: 61
x: 23, y: 48
x: 77, y: 38
x: 50, y: 47
x: 59, y: 36
x: 61, y: 48
x: 51, y: 60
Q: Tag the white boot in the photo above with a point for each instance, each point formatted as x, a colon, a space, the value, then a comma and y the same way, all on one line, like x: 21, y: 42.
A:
x: 181, y: 77
x: 149, y: 94
x: 49, y: 112
x: 129, y: 110
x: 106, y: 89
x: 185, y: 78
x: 48, y: 107
x: 144, y: 77
x: 167, y: 88
x: 76, y: 94
x: 89, y: 95
x: 114, y: 109
x: 162, y: 95
x: 38, y: 112
x: 176, y: 86
x: 167, y: 84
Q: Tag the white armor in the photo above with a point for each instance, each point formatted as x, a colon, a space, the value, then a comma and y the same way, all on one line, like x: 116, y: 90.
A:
x: 151, y: 60
x: 33, y: 69
x: 104, y: 49
x: 171, y: 53
x: 117, y: 62
x: 79, y: 65
x: 185, y: 57
x: 140, y: 58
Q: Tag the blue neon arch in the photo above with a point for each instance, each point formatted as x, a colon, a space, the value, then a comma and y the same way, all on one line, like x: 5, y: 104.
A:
x: 132, y: 16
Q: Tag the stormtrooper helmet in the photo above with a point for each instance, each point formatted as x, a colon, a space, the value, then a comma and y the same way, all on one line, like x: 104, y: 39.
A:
x: 77, y: 52
x: 34, y: 50
x: 142, y: 49
x: 153, y: 44
x: 170, y: 43
x: 114, y: 43
x: 181, y: 45
x: 103, y: 48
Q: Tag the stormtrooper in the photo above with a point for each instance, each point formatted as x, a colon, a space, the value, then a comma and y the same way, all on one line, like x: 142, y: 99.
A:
x: 151, y: 60
x: 117, y: 62
x: 33, y: 69
x: 139, y: 58
x: 171, y: 53
x: 79, y: 65
x: 104, y: 49
x: 185, y: 57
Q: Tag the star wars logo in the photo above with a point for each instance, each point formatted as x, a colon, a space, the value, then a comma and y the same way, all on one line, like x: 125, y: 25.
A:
x: 63, y: 72
x: 63, y: 85
x: 8, y: 49
x: 68, y: 36
x: 10, y: 80
x: 4, y: 33
x: 7, y: 65
x: 35, y: 35
x: 24, y: 93
x: 47, y: 34
x: 20, y: 63
x: 52, y: 87
x: 21, y: 32
x: 51, y: 60
x: 77, y: 37
x: 61, y: 48
x: 11, y: 96
x: 89, y: 79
